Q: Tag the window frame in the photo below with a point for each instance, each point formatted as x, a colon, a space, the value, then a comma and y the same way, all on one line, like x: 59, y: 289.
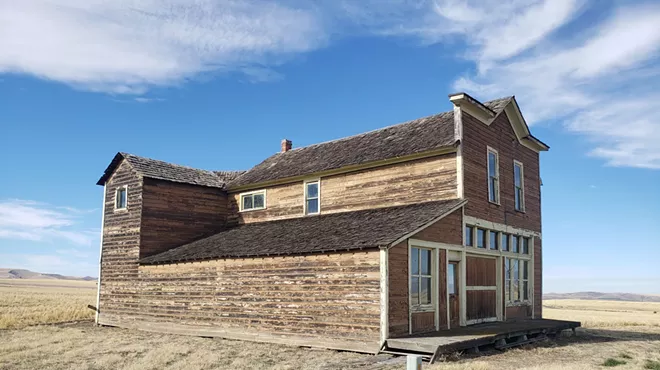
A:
x: 418, y: 307
x: 493, y: 198
x: 305, y: 198
x: 252, y: 194
x: 522, y: 186
x: 510, y: 278
x: 471, y: 233
x: 117, y: 190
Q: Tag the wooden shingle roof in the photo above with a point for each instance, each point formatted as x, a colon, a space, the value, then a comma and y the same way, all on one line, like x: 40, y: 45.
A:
x: 312, y: 234
x: 408, y: 138
x: 160, y: 170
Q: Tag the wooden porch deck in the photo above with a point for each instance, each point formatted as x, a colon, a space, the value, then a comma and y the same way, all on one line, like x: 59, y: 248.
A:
x: 501, y: 335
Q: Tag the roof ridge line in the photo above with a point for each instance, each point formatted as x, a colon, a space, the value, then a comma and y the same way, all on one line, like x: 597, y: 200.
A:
x: 169, y: 163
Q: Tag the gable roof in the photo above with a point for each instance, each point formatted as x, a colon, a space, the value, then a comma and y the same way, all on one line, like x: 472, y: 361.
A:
x: 312, y: 234
x: 408, y: 138
x: 160, y: 170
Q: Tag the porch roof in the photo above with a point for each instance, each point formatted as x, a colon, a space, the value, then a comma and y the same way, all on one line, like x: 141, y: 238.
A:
x: 312, y: 234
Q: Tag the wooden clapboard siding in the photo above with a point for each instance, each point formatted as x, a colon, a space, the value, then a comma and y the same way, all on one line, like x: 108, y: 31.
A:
x: 446, y: 230
x: 538, y: 279
x: 481, y: 271
x: 411, y: 182
x: 398, y: 289
x: 442, y: 290
x: 121, y: 241
x: 518, y: 312
x: 500, y: 136
x: 334, y: 298
x: 449, y: 230
x: 481, y: 304
x: 174, y: 214
x: 422, y: 322
x: 282, y: 201
x: 404, y: 183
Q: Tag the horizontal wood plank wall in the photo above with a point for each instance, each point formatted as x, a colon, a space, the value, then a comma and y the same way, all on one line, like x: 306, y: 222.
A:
x: 499, y: 136
x: 282, y: 201
x: 481, y: 271
x: 446, y: 230
x: 423, y: 322
x: 518, y: 312
x: 442, y: 290
x: 411, y: 182
x: 398, y: 289
x: 324, y: 298
x: 121, y: 241
x: 481, y: 304
x: 417, y: 181
x: 174, y: 214
x: 538, y: 279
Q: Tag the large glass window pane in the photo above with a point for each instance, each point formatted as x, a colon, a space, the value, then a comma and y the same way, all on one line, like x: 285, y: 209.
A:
x: 451, y: 278
x: 258, y: 201
x: 505, y: 242
x: 507, y: 278
x: 481, y: 238
x: 414, y: 261
x: 516, y: 279
x: 414, y: 290
x: 312, y: 190
x: 247, y: 202
x: 313, y: 206
x: 525, y: 245
x: 492, y: 164
x: 493, y: 241
x: 517, y: 175
x: 425, y: 291
x: 492, y: 190
x: 468, y: 236
x: 514, y: 243
x: 426, y: 261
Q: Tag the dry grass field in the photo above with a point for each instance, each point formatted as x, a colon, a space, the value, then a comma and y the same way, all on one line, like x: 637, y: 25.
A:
x: 625, y: 335
x: 26, y: 302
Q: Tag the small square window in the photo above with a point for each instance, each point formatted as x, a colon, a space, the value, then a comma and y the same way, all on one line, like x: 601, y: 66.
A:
x: 481, y: 238
x: 121, y: 198
x: 493, y: 241
x: 469, y: 235
x: 253, y: 201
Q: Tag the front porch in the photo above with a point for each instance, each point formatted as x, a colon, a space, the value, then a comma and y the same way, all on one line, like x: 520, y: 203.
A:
x: 501, y: 335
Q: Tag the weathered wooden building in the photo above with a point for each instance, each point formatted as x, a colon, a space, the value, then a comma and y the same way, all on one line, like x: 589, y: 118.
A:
x: 428, y: 225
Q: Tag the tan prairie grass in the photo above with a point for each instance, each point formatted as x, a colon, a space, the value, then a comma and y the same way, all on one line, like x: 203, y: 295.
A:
x: 30, y: 302
x: 623, y: 331
x: 598, y: 314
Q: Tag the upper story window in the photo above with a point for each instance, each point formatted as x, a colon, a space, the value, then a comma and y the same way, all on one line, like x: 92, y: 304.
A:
x: 253, y: 201
x: 493, y: 176
x: 469, y: 236
x: 121, y: 197
x: 312, y: 197
x: 519, y: 186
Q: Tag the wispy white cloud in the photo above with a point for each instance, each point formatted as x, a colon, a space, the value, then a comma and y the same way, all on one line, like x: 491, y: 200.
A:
x: 127, y: 46
x: 594, y: 82
x: 28, y: 220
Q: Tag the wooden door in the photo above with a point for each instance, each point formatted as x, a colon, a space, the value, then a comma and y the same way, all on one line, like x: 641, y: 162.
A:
x: 453, y: 291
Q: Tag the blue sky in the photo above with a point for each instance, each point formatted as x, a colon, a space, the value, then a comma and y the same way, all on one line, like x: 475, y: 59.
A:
x: 217, y: 85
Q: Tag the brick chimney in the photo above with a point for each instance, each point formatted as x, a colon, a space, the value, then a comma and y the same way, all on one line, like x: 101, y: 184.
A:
x: 286, y: 145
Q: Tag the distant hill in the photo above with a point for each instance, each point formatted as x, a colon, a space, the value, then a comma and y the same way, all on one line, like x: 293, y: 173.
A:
x: 628, y: 297
x: 27, y: 274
